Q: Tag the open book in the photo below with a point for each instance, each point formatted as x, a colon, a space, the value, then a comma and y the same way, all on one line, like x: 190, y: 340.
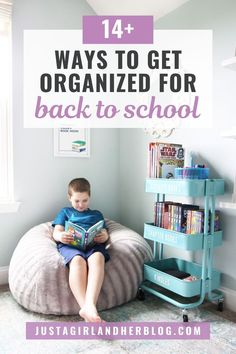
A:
x: 82, y: 237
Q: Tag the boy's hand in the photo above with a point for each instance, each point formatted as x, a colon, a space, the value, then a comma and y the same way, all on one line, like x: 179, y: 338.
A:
x: 66, y: 237
x: 102, y: 236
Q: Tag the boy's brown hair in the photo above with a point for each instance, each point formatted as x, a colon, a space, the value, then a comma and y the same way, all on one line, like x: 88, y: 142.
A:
x: 79, y: 185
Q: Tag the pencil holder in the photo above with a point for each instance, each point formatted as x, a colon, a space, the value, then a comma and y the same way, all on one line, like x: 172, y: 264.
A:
x: 192, y: 173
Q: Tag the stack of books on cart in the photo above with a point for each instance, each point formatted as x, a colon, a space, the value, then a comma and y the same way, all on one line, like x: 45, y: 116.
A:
x: 185, y: 218
x: 163, y: 158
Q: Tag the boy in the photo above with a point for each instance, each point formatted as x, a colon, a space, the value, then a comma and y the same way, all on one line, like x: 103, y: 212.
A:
x: 86, y: 268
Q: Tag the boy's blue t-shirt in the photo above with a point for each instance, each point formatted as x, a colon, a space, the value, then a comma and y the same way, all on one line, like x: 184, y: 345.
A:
x: 85, y: 219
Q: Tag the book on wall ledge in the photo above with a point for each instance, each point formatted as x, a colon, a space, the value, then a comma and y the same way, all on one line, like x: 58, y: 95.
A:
x: 83, y: 238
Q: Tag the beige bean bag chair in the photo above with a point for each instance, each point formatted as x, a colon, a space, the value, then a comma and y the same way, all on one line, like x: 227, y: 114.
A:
x: 38, y: 279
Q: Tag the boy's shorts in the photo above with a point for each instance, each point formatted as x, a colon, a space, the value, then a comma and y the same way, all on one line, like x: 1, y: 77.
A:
x: 68, y: 252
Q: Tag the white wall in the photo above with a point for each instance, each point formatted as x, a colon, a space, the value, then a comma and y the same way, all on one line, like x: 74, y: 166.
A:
x: 218, y: 153
x: 40, y: 178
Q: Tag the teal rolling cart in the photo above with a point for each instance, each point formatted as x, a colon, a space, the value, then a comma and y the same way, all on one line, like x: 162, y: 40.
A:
x: 208, y: 279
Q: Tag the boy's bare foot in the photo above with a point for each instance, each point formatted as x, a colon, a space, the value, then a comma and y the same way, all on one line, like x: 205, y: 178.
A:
x: 89, y: 314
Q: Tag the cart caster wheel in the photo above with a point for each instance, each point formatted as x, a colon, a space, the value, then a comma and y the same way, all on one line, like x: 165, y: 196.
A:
x: 140, y: 294
x: 185, y: 318
x: 220, y: 306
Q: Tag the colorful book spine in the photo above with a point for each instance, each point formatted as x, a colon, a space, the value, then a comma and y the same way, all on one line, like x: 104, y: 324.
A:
x: 184, y: 209
x: 184, y: 218
x: 217, y: 221
x: 179, y: 218
x: 86, y: 235
x: 169, y: 216
x: 188, y: 226
x: 197, y: 221
x: 164, y: 211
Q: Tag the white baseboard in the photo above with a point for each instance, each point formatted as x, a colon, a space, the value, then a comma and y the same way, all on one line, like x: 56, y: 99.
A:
x: 4, y: 275
x: 229, y: 299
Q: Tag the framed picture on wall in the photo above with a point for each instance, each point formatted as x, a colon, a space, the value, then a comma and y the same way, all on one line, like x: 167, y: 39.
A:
x: 72, y: 142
